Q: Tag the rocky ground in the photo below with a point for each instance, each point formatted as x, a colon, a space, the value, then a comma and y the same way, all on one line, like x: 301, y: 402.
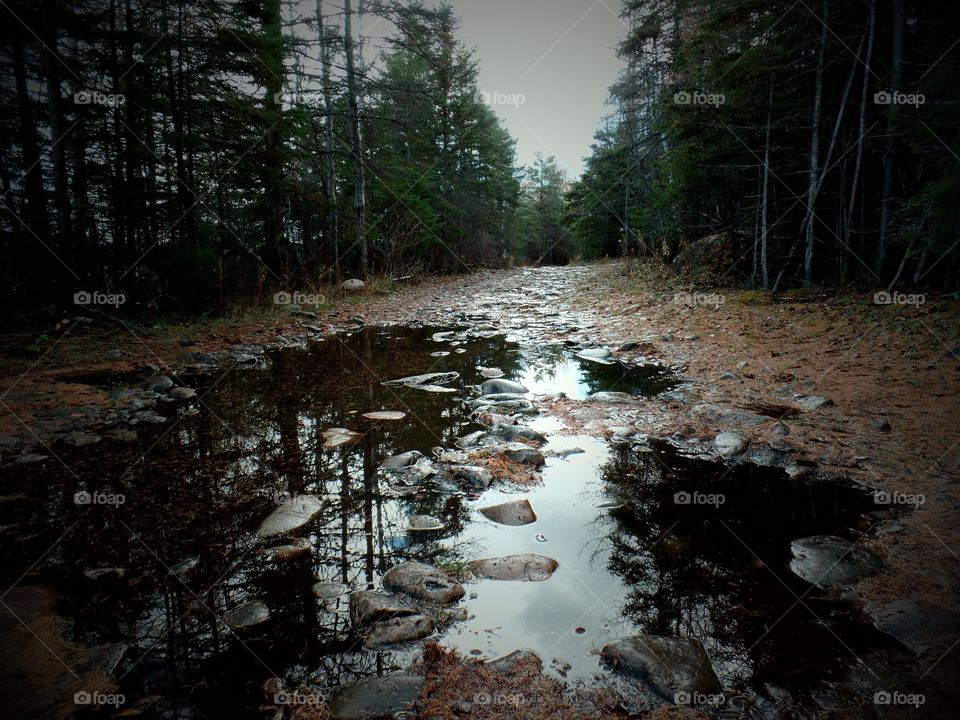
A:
x: 818, y: 384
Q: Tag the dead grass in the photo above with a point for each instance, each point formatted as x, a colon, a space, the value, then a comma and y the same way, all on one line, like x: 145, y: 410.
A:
x: 524, y: 693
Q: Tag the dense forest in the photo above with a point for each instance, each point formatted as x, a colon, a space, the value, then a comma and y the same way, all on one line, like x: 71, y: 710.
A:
x: 188, y: 154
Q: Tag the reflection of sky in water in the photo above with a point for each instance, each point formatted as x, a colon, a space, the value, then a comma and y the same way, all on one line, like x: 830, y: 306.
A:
x: 542, y: 616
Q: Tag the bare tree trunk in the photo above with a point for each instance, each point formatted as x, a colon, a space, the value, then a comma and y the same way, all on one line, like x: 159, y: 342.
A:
x: 815, y: 149
x: 330, y: 184
x: 356, y: 142
x: 864, y: 94
x: 764, y: 228
x: 61, y: 193
x: 889, y: 157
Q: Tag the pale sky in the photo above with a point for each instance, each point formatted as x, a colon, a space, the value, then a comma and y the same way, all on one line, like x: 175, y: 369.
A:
x: 559, y: 55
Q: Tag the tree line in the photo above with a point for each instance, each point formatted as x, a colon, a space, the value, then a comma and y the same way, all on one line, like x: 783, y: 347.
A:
x: 189, y: 154
x: 809, y: 143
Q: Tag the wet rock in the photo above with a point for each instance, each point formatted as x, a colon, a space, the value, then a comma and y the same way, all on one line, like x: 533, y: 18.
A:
x: 197, y: 358
x: 669, y: 665
x: 510, y: 663
x: 281, y: 553
x: 601, y: 355
x: 246, y: 615
x: 918, y: 624
x: 471, y: 440
x: 182, y: 393
x: 567, y: 452
x: 528, y: 567
x: 105, y: 572
x: 439, y: 378
x: 516, y: 512
x: 780, y: 430
x: 490, y: 372
x: 523, y: 454
x: 337, y: 437
x: 30, y: 458
x: 353, y: 285
x: 398, y: 630
x: 628, y: 346
x: 80, y: 438
x: 767, y: 457
x: 376, y: 697
x: 370, y: 606
x: 473, y: 475
x: 421, y: 523
x: 124, y: 436
x: 831, y: 562
x: 305, y: 314
x: 800, y: 469
x: 729, y: 376
x: 148, y: 417
x: 329, y: 590
x: 402, y: 461
x: 512, y: 432
x: 291, y: 515
x: 612, y: 398
x: 729, y: 444
x: 423, y: 582
x: 185, y: 565
x: 814, y: 402
x: 157, y: 383
x: 386, y: 415
x: 499, y: 385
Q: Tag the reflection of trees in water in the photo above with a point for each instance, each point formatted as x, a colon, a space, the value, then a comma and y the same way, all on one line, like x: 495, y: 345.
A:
x: 691, y: 575
x: 210, y: 480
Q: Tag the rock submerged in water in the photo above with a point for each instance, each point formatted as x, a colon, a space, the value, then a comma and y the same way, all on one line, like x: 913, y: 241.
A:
x: 401, y: 461
x: 337, y: 437
x: 528, y: 567
x: 831, y: 562
x: 247, y: 614
x: 499, y: 385
x: 157, y: 383
x: 291, y: 515
x: 516, y: 512
x: 669, y: 665
x: 282, y: 553
x: 423, y: 582
x: 416, y: 381
x: 422, y: 523
x: 473, y: 475
x: 385, y: 415
x: 398, y: 630
x: 370, y: 606
x: 376, y: 697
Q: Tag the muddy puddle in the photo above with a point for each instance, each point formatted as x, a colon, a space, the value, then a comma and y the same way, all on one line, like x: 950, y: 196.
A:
x: 163, y: 540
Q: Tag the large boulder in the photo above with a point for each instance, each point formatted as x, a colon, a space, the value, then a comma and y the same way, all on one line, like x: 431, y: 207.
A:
x: 353, y: 285
x: 423, y: 582
x: 831, y: 562
x: 671, y: 666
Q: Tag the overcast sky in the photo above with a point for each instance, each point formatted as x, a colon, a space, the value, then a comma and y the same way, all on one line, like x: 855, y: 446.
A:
x: 558, y: 56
